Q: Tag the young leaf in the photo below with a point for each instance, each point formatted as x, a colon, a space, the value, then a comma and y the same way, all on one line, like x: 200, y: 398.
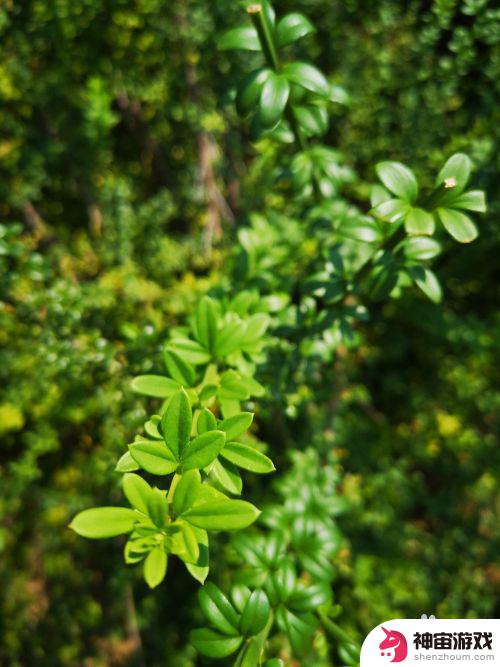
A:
x: 206, y: 421
x: 457, y: 170
x: 399, y: 180
x: 458, y: 225
x: 154, y: 385
x: 244, y: 38
x: 155, y: 566
x: 222, y: 514
x: 247, y: 457
x: 137, y: 491
x: 307, y: 76
x: 418, y: 221
x: 180, y: 369
x: 101, y: 522
x: 212, y: 644
x: 255, y: 615
x: 203, y: 450
x: 185, y: 491
x: 218, y: 610
x: 200, y: 570
x: 153, y: 456
x: 176, y: 423
x: 205, y: 323
x: 293, y: 27
x: 273, y: 99
x: 126, y: 463
x: 236, y: 425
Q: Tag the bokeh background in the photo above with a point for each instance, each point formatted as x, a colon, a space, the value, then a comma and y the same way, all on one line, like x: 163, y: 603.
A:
x: 124, y: 174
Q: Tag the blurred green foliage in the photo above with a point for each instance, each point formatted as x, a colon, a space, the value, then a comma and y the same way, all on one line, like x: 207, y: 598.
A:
x: 121, y: 171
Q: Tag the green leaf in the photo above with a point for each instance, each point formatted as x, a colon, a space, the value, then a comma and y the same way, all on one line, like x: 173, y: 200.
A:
x: 364, y: 229
x: 176, y: 423
x: 391, y: 210
x: 126, y: 463
x: 155, y: 566
x: 228, y: 338
x: 218, y: 610
x: 383, y: 280
x: 222, y: 514
x: 457, y: 169
x: 185, y: 491
x: 101, y: 522
x: 418, y: 221
x: 255, y: 615
x: 273, y: 99
x: 312, y: 119
x: 227, y: 475
x: 240, y: 595
x: 179, y: 369
x: 137, y: 549
x: 399, y: 180
x: 153, y: 457
x: 239, y: 387
x: 203, y: 450
x: 158, y: 508
x: 205, y: 323
x: 307, y: 76
x: 137, y: 491
x: 298, y: 629
x: 256, y: 327
x: 247, y: 457
x: 200, y: 570
x: 212, y: 644
x: 250, y: 90
x: 206, y: 421
x: 151, y: 428
x: 428, y: 282
x: 190, y: 350
x: 154, y: 385
x: 458, y: 225
x: 474, y: 200
x: 421, y: 248
x: 244, y: 39
x: 184, y: 542
x: 378, y: 194
x: 236, y: 425
x: 293, y: 27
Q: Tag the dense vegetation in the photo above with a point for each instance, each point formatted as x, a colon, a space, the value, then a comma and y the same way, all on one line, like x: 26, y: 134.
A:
x: 130, y: 189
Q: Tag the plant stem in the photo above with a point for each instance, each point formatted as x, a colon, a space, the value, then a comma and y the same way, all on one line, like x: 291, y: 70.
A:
x: 264, y: 31
x: 261, y: 23
x: 337, y: 633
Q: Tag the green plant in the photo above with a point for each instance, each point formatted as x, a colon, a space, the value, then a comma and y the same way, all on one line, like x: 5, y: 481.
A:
x: 346, y: 259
